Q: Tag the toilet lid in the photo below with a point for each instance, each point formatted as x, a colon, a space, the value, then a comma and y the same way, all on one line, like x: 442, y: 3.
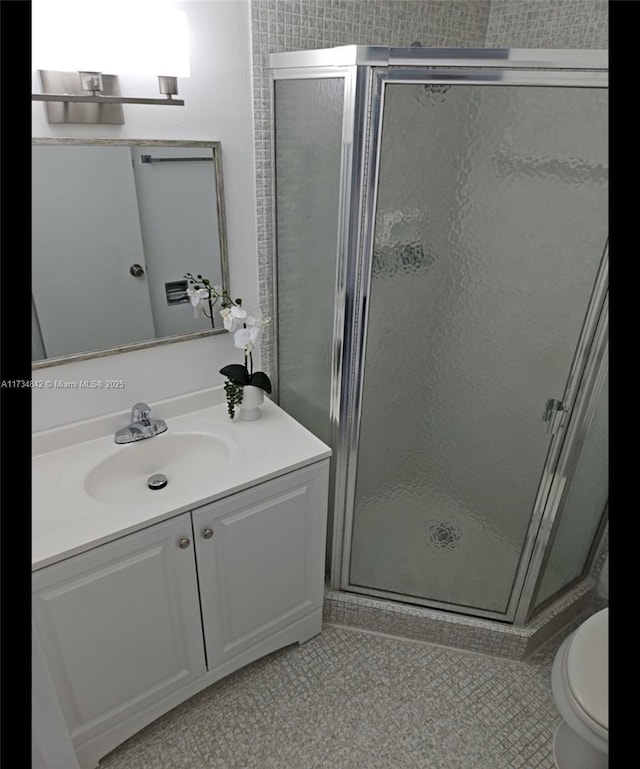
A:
x: 588, y: 666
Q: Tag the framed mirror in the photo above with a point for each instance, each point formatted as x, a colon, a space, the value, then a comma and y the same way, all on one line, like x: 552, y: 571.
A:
x: 116, y: 226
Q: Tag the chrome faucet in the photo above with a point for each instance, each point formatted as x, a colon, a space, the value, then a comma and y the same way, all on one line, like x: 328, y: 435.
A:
x: 141, y: 427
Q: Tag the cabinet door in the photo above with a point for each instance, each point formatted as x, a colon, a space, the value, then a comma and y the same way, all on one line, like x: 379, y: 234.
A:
x: 120, y: 626
x: 260, y: 560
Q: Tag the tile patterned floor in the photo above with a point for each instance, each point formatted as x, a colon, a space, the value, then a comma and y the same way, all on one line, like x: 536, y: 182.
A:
x: 349, y: 699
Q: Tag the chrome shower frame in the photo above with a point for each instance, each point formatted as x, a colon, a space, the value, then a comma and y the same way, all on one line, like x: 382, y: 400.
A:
x: 366, y: 71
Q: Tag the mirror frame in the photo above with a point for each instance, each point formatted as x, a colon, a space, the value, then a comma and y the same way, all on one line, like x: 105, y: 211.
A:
x: 216, y: 148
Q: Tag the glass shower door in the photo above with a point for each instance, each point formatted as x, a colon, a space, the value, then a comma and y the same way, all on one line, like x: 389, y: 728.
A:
x: 490, y: 226
x: 308, y: 138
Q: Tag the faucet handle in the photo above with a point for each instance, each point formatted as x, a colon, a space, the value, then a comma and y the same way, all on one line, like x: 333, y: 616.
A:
x: 140, y: 412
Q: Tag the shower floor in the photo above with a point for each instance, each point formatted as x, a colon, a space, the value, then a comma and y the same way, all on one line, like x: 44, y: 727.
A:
x: 422, y: 543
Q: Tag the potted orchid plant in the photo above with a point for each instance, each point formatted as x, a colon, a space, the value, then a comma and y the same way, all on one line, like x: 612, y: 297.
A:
x: 244, y: 387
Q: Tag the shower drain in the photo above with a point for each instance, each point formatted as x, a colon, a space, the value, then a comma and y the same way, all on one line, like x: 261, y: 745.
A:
x: 443, y: 535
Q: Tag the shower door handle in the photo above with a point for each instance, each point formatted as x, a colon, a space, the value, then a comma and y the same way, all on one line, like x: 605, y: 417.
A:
x: 554, y: 415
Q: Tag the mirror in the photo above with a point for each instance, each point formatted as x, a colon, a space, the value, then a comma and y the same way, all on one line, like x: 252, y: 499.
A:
x: 116, y: 225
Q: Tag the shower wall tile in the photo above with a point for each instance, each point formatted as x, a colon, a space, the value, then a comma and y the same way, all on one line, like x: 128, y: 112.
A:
x: 566, y: 614
x: 471, y: 633
x: 422, y: 624
x: 289, y: 25
x: 548, y: 24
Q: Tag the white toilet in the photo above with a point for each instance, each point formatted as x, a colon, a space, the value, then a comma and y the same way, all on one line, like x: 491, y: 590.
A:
x: 580, y: 686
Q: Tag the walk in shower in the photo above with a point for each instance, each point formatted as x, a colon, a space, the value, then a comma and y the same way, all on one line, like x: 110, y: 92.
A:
x: 441, y: 303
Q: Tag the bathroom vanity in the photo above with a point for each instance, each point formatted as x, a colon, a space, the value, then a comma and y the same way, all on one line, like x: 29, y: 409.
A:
x: 142, y: 597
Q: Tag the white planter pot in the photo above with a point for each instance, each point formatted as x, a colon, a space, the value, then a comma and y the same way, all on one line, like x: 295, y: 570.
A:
x: 252, y: 399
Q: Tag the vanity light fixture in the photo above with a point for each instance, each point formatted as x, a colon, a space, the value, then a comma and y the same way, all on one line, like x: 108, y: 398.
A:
x: 76, y: 42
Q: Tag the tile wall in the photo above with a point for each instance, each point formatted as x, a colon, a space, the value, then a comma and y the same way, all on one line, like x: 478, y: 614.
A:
x: 454, y: 630
x: 548, y: 24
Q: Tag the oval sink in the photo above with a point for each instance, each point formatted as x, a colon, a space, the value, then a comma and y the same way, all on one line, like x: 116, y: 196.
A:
x: 187, y: 459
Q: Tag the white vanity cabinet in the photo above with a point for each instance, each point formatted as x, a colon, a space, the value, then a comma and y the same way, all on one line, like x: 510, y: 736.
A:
x: 119, y: 626
x: 131, y: 628
x: 260, y: 557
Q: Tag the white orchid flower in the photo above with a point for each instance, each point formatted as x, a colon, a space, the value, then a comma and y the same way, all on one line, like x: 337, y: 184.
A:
x: 232, y: 316
x: 196, y: 297
x: 257, y: 319
x: 248, y: 339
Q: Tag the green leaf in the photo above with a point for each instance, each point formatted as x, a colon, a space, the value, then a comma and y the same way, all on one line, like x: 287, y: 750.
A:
x: 261, y: 380
x: 237, y: 373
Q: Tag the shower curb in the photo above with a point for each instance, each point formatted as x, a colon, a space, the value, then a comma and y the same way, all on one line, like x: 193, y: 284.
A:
x: 470, y: 633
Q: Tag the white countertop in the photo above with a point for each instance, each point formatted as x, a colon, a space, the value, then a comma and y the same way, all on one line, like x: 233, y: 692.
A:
x: 67, y: 519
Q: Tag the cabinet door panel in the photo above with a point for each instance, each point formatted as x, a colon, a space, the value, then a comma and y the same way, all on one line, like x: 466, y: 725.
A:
x: 120, y: 625
x: 263, y: 568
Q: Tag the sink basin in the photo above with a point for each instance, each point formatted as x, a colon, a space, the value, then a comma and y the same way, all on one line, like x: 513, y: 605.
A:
x: 187, y: 460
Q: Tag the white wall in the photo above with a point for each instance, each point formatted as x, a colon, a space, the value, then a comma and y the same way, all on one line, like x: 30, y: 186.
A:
x: 218, y: 107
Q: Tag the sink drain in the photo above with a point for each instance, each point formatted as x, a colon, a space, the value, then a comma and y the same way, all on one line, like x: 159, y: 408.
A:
x: 157, y: 481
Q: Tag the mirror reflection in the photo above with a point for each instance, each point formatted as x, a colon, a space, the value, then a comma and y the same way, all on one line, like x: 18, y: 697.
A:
x: 116, y: 227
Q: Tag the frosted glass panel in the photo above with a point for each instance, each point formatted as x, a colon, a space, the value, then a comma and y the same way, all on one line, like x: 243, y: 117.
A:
x: 308, y: 149
x: 490, y: 225
x: 584, y: 505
